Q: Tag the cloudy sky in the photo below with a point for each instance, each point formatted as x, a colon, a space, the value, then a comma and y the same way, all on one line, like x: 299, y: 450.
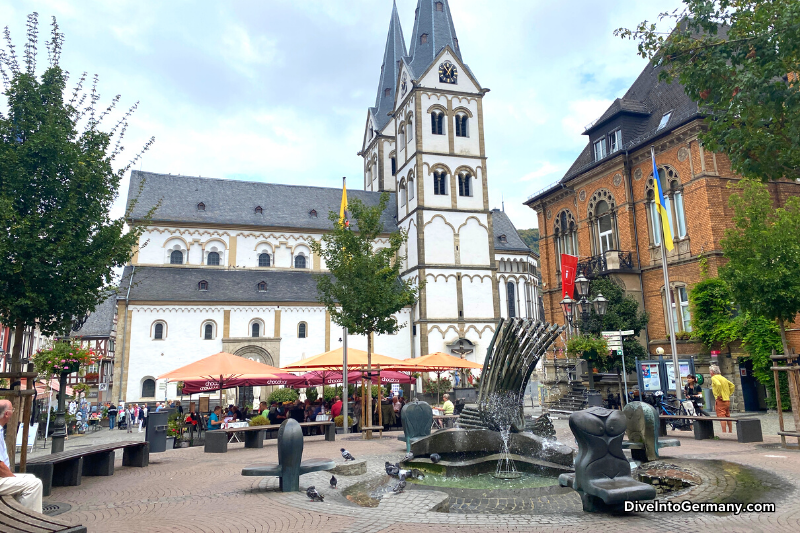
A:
x: 278, y: 90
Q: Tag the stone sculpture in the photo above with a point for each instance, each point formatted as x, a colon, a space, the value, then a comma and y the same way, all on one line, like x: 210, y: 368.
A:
x: 417, y: 420
x: 642, y: 422
x: 602, y: 473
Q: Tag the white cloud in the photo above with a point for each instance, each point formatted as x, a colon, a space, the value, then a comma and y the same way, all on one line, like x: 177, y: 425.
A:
x: 546, y: 169
x: 575, y: 121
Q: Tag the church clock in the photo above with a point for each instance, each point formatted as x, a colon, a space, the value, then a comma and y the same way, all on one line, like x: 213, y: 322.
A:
x: 448, y: 73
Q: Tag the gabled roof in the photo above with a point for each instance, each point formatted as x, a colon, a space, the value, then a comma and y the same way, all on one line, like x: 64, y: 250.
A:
x: 179, y: 284
x: 438, y: 26
x: 502, y: 225
x: 234, y: 202
x: 392, y: 55
x: 101, y: 321
x: 649, y: 99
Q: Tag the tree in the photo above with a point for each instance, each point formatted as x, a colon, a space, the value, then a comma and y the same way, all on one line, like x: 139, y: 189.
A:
x: 531, y: 238
x: 59, y: 247
x: 738, y: 59
x: 763, y: 268
x: 364, y: 290
x: 622, y: 313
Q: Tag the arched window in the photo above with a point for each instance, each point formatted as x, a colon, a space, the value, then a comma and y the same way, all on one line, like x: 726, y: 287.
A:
x: 605, y: 226
x: 208, y: 332
x: 393, y: 161
x: 464, y: 184
x: 461, y: 125
x: 673, y: 203
x: 300, y: 261
x: 264, y: 259
x: 262, y: 286
x: 255, y: 329
x: 566, y: 234
x: 410, y: 130
x: 302, y: 330
x: 259, y: 210
x: 410, y: 188
x: 158, y: 331
x: 680, y: 215
x: 437, y: 123
x: 402, y: 193
x: 510, y: 293
x: 653, y: 218
x: 148, y: 388
x: 681, y: 313
x: 439, y: 182
x: 401, y: 136
x: 176, y: 257
x: 212, y: 259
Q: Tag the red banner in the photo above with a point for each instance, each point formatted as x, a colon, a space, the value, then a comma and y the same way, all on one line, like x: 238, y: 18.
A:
x: 569, y: 268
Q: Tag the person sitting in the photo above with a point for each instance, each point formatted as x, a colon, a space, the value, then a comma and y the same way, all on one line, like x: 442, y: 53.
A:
x: 25, y: 488
x: 215, y: 420
x: 263, y: 407
x: 447, y: 406
x: 273, y: 413
x: 336, y: 408
x: 308, y: 411
x: 694, y: 392
x: 297, y: 412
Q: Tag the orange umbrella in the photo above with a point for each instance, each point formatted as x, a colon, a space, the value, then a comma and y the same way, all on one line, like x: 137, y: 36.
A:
x: 440, y: 362
x: 355, y: 358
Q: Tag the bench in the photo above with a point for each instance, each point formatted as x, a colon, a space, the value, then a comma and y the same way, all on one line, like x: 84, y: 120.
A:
x: 290, y: 465
x: 64, y: 469
x: 217, y: 439
x: 14, y: 518
x: 747, y: 429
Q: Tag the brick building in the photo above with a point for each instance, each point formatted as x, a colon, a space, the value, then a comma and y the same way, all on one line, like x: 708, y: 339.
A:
x: 602, y: 210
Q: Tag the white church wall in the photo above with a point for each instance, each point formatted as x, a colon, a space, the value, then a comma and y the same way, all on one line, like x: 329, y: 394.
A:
x: 476, y: 293
x: 473, y: 243
x: 475, y: 200
x: 294, y: 348
x: 434, y: 142
x: 439, y: 247
x: 441, y: 294
x: 242, y: 318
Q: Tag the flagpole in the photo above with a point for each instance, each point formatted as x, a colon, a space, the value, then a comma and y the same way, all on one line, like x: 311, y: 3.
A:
x: 669, y: 296
x: 345, y: 418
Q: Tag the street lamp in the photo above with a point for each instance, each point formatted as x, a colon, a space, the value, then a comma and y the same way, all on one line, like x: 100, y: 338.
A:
x: 600, y: 304
x: 583, y: 285
x: 568, y: 306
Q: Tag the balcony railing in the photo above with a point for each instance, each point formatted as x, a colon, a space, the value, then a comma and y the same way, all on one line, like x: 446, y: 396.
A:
x: 612, y: 260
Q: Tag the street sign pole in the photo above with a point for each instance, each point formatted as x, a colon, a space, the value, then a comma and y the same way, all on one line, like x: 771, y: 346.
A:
x: 624, y: 373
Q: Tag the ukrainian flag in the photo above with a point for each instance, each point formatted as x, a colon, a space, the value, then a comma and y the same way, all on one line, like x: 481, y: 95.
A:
x: 660, y: 205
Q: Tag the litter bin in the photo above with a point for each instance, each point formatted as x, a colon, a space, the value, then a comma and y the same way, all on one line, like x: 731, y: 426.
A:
x: 594, y: 399
x: 708, y: 400
x: 156, y: 433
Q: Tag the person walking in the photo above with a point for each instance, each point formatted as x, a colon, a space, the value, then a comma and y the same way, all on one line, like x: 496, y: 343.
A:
x: 112, y: 416
x: 25, y: 488
x: 722, y: 389
x: 142, y: 417
x: 129, y: 418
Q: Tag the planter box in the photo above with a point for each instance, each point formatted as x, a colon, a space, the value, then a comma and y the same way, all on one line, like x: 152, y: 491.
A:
x: 170, y: 442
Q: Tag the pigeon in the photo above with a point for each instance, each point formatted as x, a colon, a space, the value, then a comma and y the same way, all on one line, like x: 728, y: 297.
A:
x: 392, y: 470
x: 347, y: 455
x: 315, y: 496
x: 435, y: 458
x: 333, y: 482
x: 402, y: 474
x: 417, y: 474
x: 408, y: 456
x: 399, y: 487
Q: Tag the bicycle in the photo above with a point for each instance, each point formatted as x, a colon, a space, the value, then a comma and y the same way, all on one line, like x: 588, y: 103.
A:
x: 667, y: 406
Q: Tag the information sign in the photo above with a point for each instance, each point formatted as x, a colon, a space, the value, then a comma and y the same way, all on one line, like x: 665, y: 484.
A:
x: 651, y: 378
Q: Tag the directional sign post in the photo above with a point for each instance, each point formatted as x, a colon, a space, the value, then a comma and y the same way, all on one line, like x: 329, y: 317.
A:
x: 614, y: 342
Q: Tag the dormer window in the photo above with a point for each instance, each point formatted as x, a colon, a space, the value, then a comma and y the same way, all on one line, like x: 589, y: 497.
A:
x: 439, y: 6
x: 313, y: 213
x: 201, y: 206
x: 259, y: 210
x: 664, y: 121
x: 262, y: 286
x: 599, y: 149
x: 423, y: 39
x: 614, y: 141
x: 503, y: 239
x: 387, y: 92
x: 202, y: 286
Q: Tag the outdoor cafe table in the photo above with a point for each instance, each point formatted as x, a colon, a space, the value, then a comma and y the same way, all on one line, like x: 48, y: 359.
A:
x: 234, y: 425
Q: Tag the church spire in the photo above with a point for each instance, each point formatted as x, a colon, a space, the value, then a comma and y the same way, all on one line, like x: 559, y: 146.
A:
x: 395, y: 51
x: 433, y: 30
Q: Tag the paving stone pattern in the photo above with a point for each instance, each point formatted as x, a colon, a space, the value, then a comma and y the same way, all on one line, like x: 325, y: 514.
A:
x: 188, y: 490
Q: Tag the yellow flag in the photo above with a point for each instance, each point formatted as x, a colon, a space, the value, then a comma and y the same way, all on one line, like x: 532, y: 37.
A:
x: 344, y: 216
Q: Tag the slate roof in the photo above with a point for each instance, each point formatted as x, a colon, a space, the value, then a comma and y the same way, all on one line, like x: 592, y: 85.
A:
x: 650, y: 99
x: 502, y: 225
x: 234, y: 202
x: 438, y: 26
x: 101, y: 321
x: 224, y: 285
x: 392, y: 55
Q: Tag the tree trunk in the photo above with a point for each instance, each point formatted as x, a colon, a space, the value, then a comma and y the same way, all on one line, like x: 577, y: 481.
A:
x: 16, y: 366
x: 368, y: 432
x: 794, y: 393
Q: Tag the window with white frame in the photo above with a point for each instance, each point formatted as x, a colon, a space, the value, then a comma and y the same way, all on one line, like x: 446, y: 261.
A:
x: 614, y: 141
x: 208, y: 331
x: 605, y: 226
x: 681, y: 315
x: 599, y: 149
x: 159, y: 330
x: 677, y: 204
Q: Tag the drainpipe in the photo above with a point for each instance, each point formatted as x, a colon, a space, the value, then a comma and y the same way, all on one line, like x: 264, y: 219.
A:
x: 124, y: 333
x: 636, y: 237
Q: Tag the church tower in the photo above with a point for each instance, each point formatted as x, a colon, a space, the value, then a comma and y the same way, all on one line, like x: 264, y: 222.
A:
x: 441, y: 182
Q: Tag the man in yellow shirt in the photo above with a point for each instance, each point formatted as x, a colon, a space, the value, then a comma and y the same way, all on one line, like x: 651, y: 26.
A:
x: 722, y: 389
x: 447, y: 406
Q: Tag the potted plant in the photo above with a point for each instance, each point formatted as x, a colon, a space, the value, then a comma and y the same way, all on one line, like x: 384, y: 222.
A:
x: 174, y: 430
x: 338, y: 422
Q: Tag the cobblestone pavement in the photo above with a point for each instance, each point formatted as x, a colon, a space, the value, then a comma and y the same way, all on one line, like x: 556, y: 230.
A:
x: 187, y: 490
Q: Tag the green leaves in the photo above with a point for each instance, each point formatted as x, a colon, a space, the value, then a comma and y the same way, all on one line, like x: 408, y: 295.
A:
x: 363, y: 291
x: 734, y: 58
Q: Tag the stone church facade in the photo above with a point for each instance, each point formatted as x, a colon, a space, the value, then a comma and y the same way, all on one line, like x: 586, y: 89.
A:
x: 228, y: 264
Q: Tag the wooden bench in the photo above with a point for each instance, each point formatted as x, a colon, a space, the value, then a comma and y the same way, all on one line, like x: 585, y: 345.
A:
x: 14, y: 518
x: 217, y: 439
x: 64, y: 469
x: 747, y: 429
